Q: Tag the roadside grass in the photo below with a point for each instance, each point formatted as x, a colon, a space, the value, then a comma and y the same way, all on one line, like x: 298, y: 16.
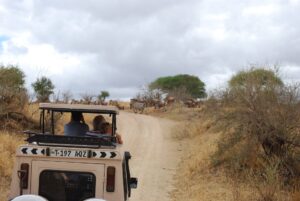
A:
x: 198, y: 179
x: 176, y: 112
x: 10, y: 139
x: 195, y: 178
x: 8, y: 145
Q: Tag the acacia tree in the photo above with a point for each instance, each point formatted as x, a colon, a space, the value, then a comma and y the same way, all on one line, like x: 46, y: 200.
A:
x: 66, y: 96
x: 87, y: 97
x: 103, y: 95
x: 192, y: 84
x: 43, y: 88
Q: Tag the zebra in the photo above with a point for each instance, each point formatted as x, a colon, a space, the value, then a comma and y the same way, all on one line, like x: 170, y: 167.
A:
x: 138, y: 107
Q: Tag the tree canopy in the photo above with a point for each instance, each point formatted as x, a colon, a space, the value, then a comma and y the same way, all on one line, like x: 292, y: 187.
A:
x: 192, y: 84
x: 103, y: 95
x: 11, y: 76
x: 13, y: 95
x: 258, y: 76
x: 43, y: 88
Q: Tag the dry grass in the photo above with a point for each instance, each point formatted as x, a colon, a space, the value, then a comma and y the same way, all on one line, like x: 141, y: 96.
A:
x: 198, y: 180
x: 295, y: 196
x: 8, y: 146
x: 176, y: 112
x: 195, y: 179
x: 9, y: 141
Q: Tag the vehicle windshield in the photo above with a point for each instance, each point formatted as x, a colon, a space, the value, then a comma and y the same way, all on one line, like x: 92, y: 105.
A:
x: 77, y: 123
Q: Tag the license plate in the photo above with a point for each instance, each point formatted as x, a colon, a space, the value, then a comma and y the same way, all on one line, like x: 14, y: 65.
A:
x: 68, y: 153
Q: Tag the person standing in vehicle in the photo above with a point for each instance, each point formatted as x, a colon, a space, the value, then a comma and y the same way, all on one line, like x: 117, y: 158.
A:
x: 101, y: 126
x: 77, y: 126
x: 97, y: 123
x: 107, y: 129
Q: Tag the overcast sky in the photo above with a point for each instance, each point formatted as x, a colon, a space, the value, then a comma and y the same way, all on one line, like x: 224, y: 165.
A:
x: 120, y: 45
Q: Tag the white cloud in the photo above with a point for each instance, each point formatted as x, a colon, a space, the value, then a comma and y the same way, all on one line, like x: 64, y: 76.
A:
x: 120, y: 45
x: 261, y: 10
x: 295, y: 2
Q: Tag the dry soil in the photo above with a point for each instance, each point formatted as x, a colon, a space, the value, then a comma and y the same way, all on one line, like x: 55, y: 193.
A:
x: 155, y: 154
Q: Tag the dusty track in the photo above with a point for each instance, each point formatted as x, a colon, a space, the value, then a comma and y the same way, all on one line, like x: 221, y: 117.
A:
x: 155, y: 154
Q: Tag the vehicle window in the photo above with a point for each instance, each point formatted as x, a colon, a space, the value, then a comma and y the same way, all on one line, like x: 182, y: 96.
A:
x: 66, y: 185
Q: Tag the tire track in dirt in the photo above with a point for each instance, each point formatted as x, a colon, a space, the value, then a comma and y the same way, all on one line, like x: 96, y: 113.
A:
x: 155, y: 155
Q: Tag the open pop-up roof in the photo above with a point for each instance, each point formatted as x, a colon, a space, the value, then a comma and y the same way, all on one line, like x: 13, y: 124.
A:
x: 79, y: 108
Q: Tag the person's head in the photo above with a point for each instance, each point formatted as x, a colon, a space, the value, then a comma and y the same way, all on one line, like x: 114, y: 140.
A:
x: 106, y: 128
x: 77, y: 117
x: 97, y: 122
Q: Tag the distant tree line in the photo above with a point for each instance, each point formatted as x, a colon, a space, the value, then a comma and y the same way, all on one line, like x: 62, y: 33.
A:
x: 14, y: 94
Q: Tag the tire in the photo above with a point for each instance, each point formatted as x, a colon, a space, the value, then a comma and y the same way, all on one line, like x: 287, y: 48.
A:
x: 29, y: 198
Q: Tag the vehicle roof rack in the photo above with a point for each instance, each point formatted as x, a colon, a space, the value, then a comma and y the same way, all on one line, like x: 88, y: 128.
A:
x: 71, y: 141
x: 79, y: 108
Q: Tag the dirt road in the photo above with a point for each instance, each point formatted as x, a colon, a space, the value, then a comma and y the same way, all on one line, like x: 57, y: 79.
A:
x: 155, y: 154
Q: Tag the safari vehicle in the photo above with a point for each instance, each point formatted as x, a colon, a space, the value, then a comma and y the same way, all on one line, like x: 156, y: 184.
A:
x: 72, y: 168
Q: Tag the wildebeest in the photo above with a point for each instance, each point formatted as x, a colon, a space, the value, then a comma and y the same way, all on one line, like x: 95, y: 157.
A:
x: 191, y: 103
x: 169, y: 100
x: 73, y: 101
x: 117, y: 104
x: 158, y: 103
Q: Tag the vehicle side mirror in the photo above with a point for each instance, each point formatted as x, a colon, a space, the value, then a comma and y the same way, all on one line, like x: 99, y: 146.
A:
x: 133, y: 182
x: 127, y: 155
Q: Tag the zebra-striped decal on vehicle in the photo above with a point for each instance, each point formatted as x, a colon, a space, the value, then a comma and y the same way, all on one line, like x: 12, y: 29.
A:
x: 33, y: 151
x: 68, y: 153
x: 104, y: 154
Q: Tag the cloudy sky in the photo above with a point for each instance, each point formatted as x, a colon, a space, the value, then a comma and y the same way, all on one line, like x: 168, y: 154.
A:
x: 120, y: 45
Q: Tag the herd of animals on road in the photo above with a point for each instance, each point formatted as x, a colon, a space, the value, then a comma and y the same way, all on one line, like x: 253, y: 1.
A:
x: 138, y: 105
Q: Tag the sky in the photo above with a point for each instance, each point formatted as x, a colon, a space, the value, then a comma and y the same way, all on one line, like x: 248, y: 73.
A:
x: 122, y: 45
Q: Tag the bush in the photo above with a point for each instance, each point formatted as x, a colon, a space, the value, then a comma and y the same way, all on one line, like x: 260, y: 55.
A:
x: 13, y: 95
x: 259, y: 122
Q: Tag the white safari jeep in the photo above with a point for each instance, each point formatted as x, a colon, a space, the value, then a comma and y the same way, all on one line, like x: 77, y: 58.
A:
x: 72, y: 168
